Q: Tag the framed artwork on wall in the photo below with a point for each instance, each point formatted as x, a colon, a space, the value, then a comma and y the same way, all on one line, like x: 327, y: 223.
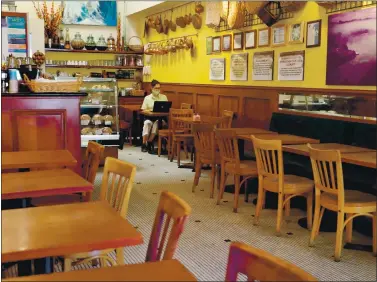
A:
x: 264, y: 37
x: 279, y: 35
x: 238, y: 41
x: 216, y: 44
x: 209, y: 45
x: 250, y: 39
x: 227, y: 42
x: 217, y: 69
x: 296, y: 33
x: 313, y: 34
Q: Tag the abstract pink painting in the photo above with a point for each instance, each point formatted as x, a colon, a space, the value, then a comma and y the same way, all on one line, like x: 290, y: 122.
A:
x: 351, y: 49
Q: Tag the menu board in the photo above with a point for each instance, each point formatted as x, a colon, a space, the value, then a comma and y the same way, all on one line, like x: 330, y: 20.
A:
x: 263, y: 65
x: 238, y: 66
x: 217, y: 69
x: 14, y: 34
x: 291, y: 66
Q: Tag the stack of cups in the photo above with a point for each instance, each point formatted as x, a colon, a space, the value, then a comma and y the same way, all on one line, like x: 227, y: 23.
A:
x: 13, y: 81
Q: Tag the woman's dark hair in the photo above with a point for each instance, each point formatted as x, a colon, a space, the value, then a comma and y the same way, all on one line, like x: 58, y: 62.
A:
x: 154, y: 83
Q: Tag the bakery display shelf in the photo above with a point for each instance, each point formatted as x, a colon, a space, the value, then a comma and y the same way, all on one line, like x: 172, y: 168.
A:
x: 94, y: 51
x: 99, y: 137
x: 96, y: 106
x: 96, y: 90
x: 93, y: 67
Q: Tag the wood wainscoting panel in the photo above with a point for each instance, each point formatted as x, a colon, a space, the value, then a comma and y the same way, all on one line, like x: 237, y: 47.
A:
x: 185, y: 97
x: 256, y: 112
x: 205, y: 104
x: 229, y: 103
x: 39, y: 130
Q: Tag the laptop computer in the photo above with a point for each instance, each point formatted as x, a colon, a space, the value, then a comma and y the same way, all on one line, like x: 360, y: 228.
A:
x: 161, y: 106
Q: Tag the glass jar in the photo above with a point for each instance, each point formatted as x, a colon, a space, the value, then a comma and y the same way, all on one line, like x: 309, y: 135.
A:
x: 139, y: 61
x: 131, y: 61
x: 90, y: 44
x: 101, y: 44
x: 111, y: 43
x: 78, y: 43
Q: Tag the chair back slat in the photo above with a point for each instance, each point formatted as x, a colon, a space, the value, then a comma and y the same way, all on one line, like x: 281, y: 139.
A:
x: 117, y: 182
x: 259, y: 265
x: 173, y: 211
x: 228, y: 145
x: 327, y: 172
x: 204, y: 138
x: 92, y: 160
x: 228, y: 122
x: 218, y: 122
x: 175, y: 124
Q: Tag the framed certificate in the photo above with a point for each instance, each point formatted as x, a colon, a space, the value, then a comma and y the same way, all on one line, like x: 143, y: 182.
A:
x: 296, y: 33
x: 313, y: 34
x: 217, y: 69
x: 250, y: 39
x: 216, y: 44
x: 279, y: 35
x: 264, y: 37
x: 238, y: 41
x: 227, y: 42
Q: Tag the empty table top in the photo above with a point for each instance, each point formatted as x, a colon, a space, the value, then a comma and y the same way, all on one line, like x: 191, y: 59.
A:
x: 32, y: 233
x: 344, y: 149
x: 37, y: 159
x: 367, y: 159
x: 286, y: 139
x: 166, y: 270
x: 42, y: 183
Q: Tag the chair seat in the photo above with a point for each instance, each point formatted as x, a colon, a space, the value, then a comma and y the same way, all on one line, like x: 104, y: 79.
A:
x: 246, y: 168
x: 178, y: 137
x: 352, y: 199
x: 293, y: 184
x: 55, y: 200
x: 166, y: 132
x: 124, y: 124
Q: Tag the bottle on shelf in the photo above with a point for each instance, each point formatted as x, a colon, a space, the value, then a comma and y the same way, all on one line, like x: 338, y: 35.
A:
x: 61, y: 39
x: 67, y: 43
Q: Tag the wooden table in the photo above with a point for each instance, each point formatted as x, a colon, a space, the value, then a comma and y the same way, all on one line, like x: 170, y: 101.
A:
x: 131, y: 107
x: 367, y: 159
x: 303, y: 149
x: 154, y: 114
x: 287, y: 139
x: 42, y: 183
x: 37, y: 159
x: 32, y: 233
x: 167, y: 270
x: 251, y: 131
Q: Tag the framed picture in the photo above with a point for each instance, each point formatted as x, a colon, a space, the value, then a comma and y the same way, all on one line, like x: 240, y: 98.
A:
x: 209, y: 45
x: 264, y: 37
x: 239, y: 67
x: 279, y: 35
x: 216, y: 44
x: 250, y: 39
x: 227, y: 42
x: 296, y: 33
x: 313, y: 34
x: 238, y: 41
x: 217, y: 69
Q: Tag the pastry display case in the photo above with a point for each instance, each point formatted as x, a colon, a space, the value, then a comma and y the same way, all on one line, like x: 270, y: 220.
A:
x: 347, y: 106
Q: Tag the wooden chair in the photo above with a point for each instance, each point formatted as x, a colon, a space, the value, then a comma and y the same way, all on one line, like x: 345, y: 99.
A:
x: 180, y: 133
x: 91, y: 163
x: 125, y: 130
x: 116, y: 187
x: 231, y: 164
x: 170, y: 208
x: 259, y: 265
x: 330, y: 194
x: 229, y: 114
x: 206, y: 153
x: 271, y: 178
x: 186, y: 106
x: 165, y: 134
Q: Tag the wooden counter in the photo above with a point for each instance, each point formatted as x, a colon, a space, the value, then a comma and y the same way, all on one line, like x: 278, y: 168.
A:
x: 41, y: 121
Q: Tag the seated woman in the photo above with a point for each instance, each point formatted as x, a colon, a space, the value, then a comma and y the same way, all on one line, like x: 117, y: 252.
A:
x: 150, y: 128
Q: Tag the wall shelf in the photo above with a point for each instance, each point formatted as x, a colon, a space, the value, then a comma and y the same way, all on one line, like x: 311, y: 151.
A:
x: 92, y: 67
x: 94, y: 51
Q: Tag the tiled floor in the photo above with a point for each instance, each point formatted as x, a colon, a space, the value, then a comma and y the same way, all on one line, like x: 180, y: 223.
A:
x: 203, y: 247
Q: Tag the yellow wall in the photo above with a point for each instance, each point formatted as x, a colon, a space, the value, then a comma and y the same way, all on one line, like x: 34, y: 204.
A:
x: 182, y: 67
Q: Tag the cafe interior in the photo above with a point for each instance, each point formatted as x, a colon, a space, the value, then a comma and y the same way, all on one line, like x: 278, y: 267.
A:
x: 188, y: 141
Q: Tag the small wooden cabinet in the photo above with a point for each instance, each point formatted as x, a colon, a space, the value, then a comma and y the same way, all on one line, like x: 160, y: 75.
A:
x: 41, y: 121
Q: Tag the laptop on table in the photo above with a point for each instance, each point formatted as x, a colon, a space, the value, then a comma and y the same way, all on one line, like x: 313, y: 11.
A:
x: 162, y: 106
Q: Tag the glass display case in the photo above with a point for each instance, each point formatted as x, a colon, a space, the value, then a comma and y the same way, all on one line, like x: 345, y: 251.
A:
x: 350, y: 106
x: 99, y: 116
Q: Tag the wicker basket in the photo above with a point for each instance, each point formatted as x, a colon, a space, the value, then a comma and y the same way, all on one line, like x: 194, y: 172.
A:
x: 136, y: 47
x: 326, y: 4
x: 58, y: 86
x: 292, y: 6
